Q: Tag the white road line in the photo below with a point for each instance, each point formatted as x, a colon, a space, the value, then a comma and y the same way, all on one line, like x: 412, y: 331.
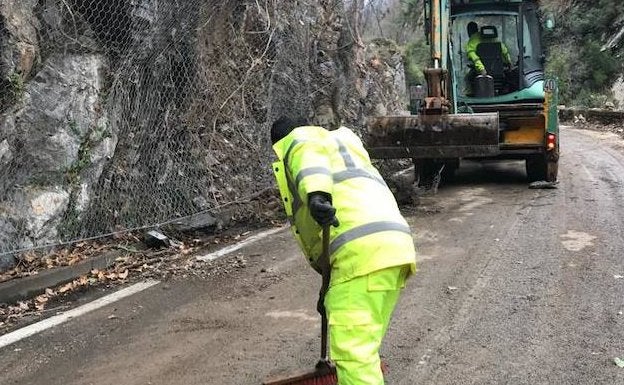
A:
x: 40, y: 326
x: 229, y: 249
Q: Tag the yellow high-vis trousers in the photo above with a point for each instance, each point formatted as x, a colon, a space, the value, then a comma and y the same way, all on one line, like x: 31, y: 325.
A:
x: 359, y: 312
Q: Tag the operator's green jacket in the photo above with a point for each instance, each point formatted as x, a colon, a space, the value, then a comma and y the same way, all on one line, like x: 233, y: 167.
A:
x: 471, y: 50
x: 372, y: 235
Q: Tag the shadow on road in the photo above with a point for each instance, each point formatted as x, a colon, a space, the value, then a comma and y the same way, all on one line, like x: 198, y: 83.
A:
x: 474, y: 173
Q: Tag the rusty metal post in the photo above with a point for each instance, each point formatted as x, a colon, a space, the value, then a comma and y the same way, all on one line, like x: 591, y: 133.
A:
x: 436, y: 102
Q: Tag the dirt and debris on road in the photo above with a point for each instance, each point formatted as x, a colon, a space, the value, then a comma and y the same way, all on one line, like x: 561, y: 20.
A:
x: 515, y: 286
x: 32, y: 262
x: 135, y: 262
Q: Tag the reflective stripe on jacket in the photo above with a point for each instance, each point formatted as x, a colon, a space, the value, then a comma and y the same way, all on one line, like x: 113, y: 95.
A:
x: 372, y: 235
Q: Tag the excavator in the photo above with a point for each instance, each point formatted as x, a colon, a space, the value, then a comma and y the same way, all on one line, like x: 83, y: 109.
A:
x: 507, y: 111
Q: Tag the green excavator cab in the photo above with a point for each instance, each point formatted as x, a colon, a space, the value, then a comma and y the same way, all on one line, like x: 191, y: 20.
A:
x: 510, y: 49
x: 487, y: 95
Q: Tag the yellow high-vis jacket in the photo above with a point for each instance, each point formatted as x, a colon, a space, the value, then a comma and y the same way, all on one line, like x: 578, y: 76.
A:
x: 373, y: 235
x: 471, y: 50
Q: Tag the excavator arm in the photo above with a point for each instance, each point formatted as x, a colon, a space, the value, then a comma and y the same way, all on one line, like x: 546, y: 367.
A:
x: 436, y: 131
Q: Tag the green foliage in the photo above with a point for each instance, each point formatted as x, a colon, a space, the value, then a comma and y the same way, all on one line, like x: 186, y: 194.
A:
x: 72, y: 174
x: 411, y: 12
x: 589, y: 99
x: 17, y: 84
x: 416, y: 56
x: 577, y: 55
x: 412, y: 7
x: 583, y: 82
x: 602, y: 68
x: 593, y: 18
x: 403, y: 20
x: 11, y: 90
x: 559, y: 65
x: 73, y: 127
x: 100, y: 133
x: 407, y: 19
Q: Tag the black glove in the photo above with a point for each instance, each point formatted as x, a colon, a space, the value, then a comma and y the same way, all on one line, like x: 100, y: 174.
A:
x: 320, y: 305
x: 321, y: 209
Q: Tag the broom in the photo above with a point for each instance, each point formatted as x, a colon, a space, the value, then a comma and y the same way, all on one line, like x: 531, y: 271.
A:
x: 324, y: 372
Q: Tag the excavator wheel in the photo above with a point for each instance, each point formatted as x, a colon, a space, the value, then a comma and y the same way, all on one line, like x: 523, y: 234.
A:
x: 431, y: 173
x: 425, y: 172
x: 450, y: 168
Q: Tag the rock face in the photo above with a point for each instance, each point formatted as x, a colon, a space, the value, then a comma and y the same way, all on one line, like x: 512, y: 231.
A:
x: 118, y: 115
x: 618, y: 93
x: 19, y: 47
x: 54, y: 143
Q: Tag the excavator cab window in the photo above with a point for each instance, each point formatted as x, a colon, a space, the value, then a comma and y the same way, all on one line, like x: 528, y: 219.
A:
x: 533, y: 65
x: 516, y: 28
x: 498, y: 50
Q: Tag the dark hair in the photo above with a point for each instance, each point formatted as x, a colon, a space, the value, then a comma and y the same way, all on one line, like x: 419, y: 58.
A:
x: 283, y: 126
x: 472, y: 28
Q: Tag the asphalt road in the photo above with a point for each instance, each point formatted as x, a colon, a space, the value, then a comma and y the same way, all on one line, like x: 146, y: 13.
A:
x: 515, y: 286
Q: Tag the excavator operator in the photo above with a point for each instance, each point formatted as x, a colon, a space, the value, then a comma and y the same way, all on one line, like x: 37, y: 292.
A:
x: 473, y: 44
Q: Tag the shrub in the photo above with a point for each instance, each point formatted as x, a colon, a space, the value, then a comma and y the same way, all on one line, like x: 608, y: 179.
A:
x: 416, y: 56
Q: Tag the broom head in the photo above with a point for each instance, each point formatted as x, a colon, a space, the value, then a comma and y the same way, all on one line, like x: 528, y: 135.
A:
x: 323, y: 374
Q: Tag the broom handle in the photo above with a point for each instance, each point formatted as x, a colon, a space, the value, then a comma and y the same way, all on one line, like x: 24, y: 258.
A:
x: 325, y: 271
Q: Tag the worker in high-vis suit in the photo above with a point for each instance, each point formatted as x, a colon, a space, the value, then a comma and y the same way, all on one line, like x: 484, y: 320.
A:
x: 327, y: 177
x: 475, y: 39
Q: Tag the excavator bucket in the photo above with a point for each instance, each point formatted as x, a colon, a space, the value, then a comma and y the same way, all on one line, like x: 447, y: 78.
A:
x: 433, y: 136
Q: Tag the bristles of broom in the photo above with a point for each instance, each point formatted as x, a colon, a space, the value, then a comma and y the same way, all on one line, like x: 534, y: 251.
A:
x: 324, y: 374
x: 323, y: 380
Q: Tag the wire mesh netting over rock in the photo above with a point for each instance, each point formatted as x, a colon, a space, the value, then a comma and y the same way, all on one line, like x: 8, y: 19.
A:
x: 130, y: 113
